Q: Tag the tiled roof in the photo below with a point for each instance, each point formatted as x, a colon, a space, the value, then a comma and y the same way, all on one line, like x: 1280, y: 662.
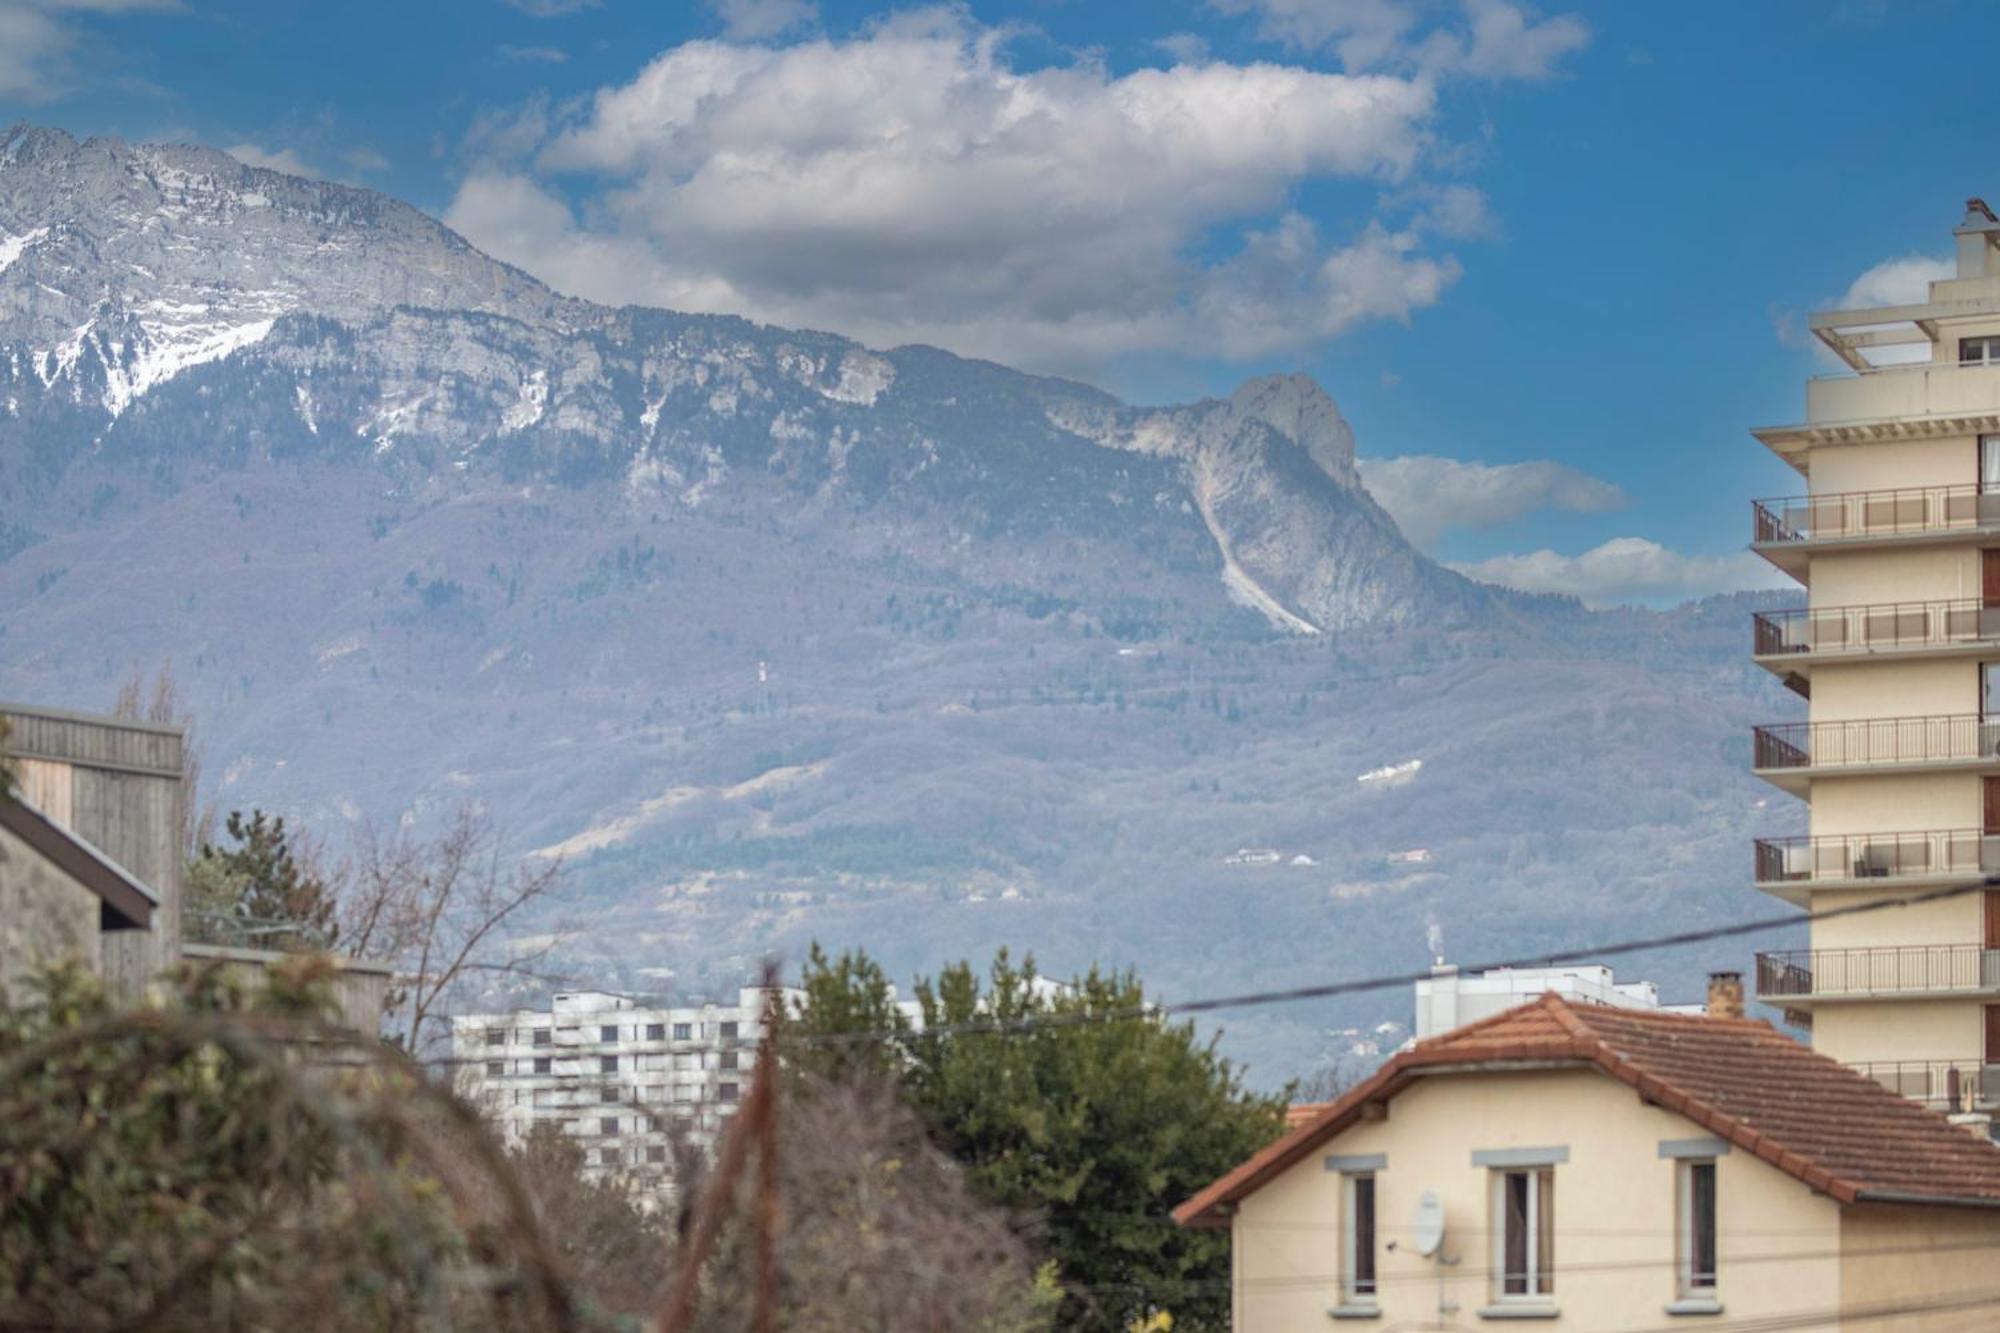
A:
x: 1813, y: 1118
x: 1299, y: 1113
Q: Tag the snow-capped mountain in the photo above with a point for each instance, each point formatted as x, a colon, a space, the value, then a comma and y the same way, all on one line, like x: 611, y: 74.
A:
x: 778, y: 637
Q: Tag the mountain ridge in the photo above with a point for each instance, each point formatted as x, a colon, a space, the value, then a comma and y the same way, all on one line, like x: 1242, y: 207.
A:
x: 803, y: 639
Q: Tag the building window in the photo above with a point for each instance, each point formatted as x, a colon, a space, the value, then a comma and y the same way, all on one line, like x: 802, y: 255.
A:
x: 496, y: 1036
x: 1524, y: 1206
x: 657, y: 1153
x: 495, y: 1068
x: 609, y: 1032
x: 727, y: 1092
x: 607, y: 1064
x: 1697, y: 1228
x: 729, y: 1059
x: 609, y: 1157
x: 1979, y: 351
x: 607, y: 1094
x: 1357, y: 1267
x: 683, y: 1032
x: 656, y: 1032
x: 541, y: 1037
x: 607, y: 1124
x: 544, y: 1065
x: 729, y: 1032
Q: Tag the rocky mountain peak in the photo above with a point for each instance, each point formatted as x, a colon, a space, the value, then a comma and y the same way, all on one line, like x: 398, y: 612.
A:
x: 1299, y: 410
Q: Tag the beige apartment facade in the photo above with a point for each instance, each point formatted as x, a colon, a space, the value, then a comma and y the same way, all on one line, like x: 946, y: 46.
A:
x: 1613, y: 1170
x: 1895, y: 540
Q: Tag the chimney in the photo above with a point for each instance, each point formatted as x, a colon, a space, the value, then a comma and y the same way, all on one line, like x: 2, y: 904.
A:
x: 1725, y: 995
x: 1977, y: 237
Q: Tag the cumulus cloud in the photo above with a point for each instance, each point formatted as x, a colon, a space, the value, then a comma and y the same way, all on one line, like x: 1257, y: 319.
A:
x: 912, y: 184
x: 759, y: 20
x: 286, y: 160
x: 1626, y: 570
x: 1430, y: 496
x: 1904, y: 281
x: 1492, y: 39
x: 38, y: 38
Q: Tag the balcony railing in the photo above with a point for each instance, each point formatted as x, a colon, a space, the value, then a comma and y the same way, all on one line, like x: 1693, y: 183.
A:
x: 1952, y: 738
x: 1828, y: 631
x: 1910, y: 969
x: 1969, y: 852
x: 1847, y: 515
x: 1947, y: 1084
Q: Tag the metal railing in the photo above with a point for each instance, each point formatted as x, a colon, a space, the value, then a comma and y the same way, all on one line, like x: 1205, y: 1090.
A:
x: 1954, y: 737
x: 1947, y: 1083
x: 1843, y: 515
x: 1908, y: 969
x: 1824, y: 631
x: 1877, y: 855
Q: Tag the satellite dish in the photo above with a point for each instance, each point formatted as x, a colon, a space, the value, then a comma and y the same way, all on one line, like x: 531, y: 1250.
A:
x: 1427, y: 1230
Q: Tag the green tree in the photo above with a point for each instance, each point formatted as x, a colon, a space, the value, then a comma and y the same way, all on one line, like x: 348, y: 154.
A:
x: 1074, y: 1108
x: 263, y: 889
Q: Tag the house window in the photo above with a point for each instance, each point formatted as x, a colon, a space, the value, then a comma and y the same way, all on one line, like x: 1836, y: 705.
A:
x: 1697, y: 1227
x: 609, y: 1032
x: 656, y: 1032
x: 683, y: 1032
x: 607, y: 1124
x: 607, y: 1064
x: 1357, y: 1267
x: 544, y: 1064
x: 541, y: 1036
x: 1524, y: 1207
x: 729, y: 1032
x: 496, y: 1036
x: 1979, y: 351
x: 495, y: 1068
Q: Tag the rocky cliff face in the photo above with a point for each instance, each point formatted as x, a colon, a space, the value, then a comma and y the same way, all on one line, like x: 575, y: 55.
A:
x: 346, y: 326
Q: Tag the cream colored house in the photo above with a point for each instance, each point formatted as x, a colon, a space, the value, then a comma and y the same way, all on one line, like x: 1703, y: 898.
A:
x: 1613, y: 1170
x: 1896, y: 653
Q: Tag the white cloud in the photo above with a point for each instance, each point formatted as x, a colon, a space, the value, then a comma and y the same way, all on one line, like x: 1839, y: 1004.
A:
x: 1429, y: 496
x: 1626, y: 570
x: 542, y: 55
x: 1495, y: 39
x: 760, y: 20
x: 37, y: 38
x: 912, y: 184
x: 286, y: 160
x: 1904, y: 281
x: 364, y: 158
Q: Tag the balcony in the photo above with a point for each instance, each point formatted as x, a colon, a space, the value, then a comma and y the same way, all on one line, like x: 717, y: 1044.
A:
x: 1788, y: 643
x: 1900, y: 392
x: 1786, y: 530
x: 1791, y: 868
x: 1920, y: 971
x: 1791, y: 754
x: 1944, y: 1085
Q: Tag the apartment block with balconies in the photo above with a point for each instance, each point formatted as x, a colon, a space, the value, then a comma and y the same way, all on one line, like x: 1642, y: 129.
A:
x: 1894, y: 651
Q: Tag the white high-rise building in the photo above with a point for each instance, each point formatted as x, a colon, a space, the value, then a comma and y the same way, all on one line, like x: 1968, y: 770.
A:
x: 623, y: 1076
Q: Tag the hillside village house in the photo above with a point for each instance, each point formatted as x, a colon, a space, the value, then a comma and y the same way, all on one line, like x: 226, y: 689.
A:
x: 1604, y: 1169
x: 92, y: 851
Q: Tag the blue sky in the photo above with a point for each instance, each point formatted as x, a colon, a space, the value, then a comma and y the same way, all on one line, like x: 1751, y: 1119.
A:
x: 1551, y: 257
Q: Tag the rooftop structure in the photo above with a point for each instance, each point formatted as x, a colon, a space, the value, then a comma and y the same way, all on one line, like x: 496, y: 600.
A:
x: 1450, y: 999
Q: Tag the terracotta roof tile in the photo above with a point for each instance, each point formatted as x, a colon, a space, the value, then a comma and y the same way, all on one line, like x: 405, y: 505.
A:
x: 1838, y: 1131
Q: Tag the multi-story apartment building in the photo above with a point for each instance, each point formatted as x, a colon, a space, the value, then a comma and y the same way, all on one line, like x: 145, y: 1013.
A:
x: 1896, y: 653
x: 622, y: 1076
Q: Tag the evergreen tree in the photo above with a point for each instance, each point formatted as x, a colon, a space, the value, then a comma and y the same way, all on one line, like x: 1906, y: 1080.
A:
x: 263, y: 890
x: 1073, y: 1108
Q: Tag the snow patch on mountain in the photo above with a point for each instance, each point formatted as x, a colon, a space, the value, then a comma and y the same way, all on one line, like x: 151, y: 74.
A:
x: 158, y: 354
x: 864, y: 377
x: 12, y: 247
